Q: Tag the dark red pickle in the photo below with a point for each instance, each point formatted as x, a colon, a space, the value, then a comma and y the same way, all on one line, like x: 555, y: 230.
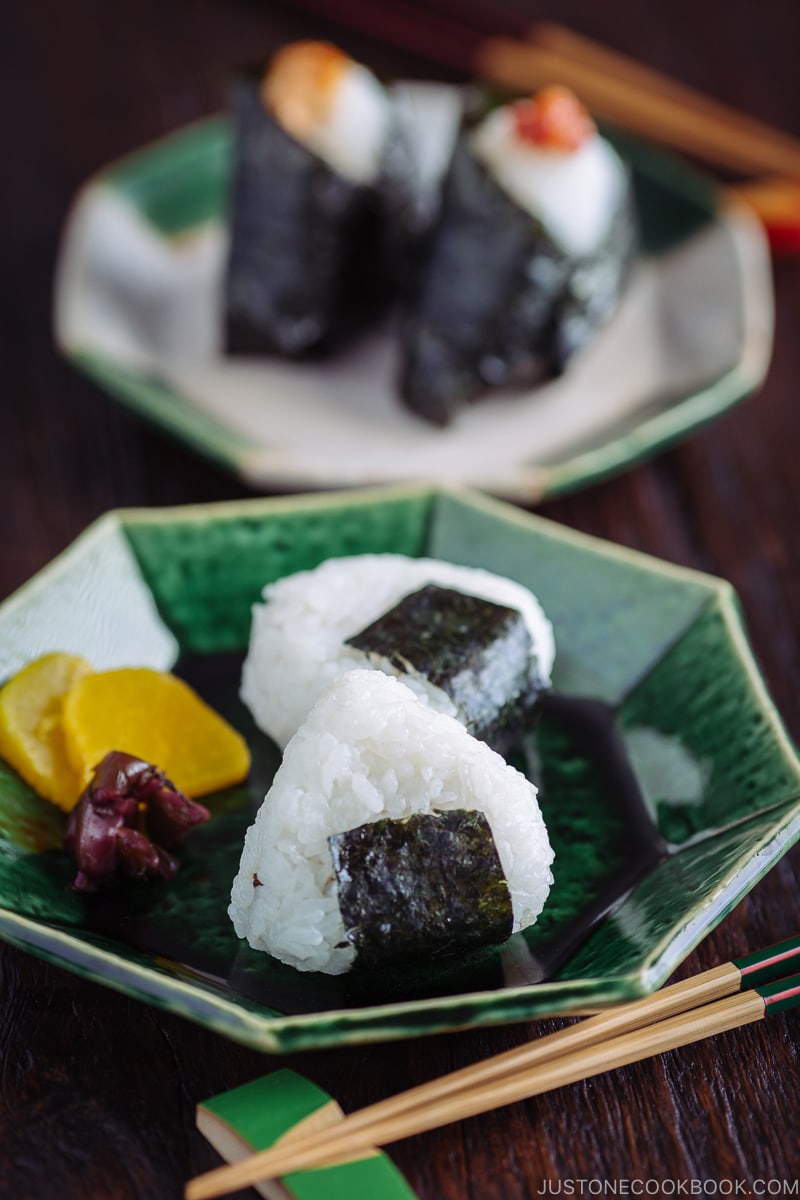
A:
x: 125, y: 822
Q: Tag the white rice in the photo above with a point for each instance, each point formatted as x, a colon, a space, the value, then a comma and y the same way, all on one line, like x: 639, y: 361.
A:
x: 352, y: 138
x: 370, y: 750
x: 575, y: 194
x: 297, y: 646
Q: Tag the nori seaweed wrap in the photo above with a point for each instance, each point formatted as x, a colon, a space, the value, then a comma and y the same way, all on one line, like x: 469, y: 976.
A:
x: 479, y: 653
x: 388, y: 833
x: 421, y: 887
x: 502, y: 298
x: 313, y: 248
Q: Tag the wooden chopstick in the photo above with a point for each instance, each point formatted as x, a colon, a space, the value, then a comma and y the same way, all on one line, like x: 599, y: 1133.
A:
x: 713, y: 132
x: 685, y: 1012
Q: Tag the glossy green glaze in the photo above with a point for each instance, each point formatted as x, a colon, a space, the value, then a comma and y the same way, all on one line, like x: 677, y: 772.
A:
x: 206, y: 566
x: 180, y: 182
x: 667, y: 781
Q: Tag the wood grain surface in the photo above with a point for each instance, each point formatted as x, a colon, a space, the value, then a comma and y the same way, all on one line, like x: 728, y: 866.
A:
x: 97, y: 1091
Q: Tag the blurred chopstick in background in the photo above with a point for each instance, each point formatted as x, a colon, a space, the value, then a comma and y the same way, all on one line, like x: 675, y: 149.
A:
x: 473, y: 38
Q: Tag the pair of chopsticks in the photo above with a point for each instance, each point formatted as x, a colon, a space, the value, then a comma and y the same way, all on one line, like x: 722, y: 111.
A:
x: 723, y: 998
x: 475, y: 38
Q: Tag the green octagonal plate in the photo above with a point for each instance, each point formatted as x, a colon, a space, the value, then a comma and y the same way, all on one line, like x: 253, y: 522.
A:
x: 667, y: 780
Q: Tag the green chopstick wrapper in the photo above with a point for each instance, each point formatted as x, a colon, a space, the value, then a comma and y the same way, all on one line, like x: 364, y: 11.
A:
x: 253, y: 1117
x: 770, y: 964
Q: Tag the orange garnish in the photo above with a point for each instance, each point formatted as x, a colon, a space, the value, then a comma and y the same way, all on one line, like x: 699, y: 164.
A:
x: 553, y: 119
x: 300, y: 85
x: 156, y: 717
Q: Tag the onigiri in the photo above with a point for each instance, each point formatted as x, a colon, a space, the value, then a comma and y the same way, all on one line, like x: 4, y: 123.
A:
x: 389, y: 833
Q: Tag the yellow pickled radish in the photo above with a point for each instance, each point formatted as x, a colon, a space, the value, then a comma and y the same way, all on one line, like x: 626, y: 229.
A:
x: 31, y: 736
x: 157, y: 717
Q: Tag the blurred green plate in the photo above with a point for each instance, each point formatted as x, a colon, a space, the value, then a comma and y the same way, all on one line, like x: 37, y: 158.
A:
x: 667, y: 781
x: 137, y: 309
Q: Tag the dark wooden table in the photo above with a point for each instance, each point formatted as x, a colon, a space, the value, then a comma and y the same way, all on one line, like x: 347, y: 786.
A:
x: 97, y: 1091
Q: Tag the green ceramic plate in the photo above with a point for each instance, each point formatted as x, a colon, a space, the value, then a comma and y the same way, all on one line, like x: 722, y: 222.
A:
x: 137, y: 304
x: 667, y: 781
